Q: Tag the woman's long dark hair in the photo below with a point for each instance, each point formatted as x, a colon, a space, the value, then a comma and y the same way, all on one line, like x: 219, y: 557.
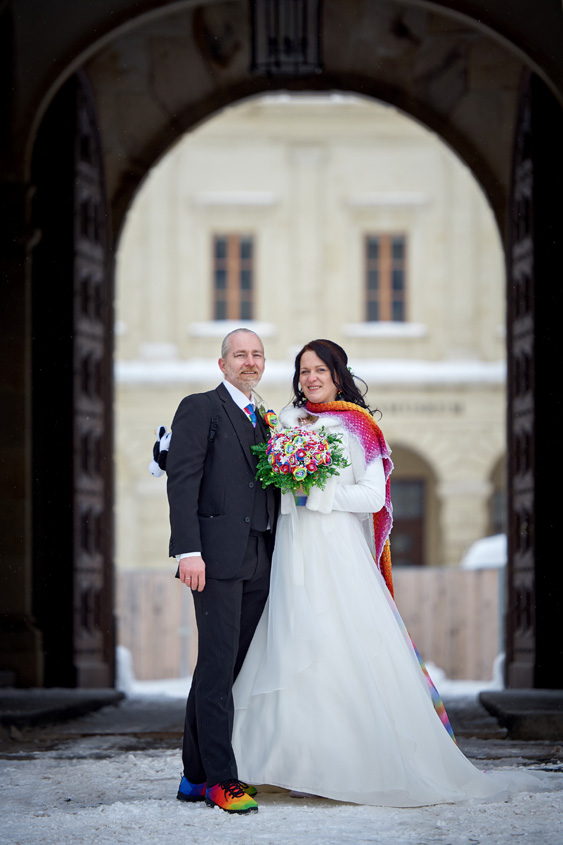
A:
x: 337, y: 362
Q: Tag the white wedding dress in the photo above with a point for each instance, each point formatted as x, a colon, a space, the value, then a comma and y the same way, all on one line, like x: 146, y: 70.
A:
x: 331, y: 699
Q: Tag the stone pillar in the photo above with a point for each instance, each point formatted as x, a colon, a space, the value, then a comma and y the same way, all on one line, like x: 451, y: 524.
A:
x: 21, y: 656
x: 463, y: 508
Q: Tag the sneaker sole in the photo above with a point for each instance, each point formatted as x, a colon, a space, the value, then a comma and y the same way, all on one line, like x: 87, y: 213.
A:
x: 190, y: 798
x: 212, y: 804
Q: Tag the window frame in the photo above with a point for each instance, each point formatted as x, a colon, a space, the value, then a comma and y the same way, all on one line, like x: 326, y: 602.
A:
x: 382, y: 298
x: 233, y: 300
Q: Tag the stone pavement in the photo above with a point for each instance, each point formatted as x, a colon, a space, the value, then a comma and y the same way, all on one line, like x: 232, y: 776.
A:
x: 35, y: 720
x: 110, y: 776
x: 527, y: 714
x: 23, y: 708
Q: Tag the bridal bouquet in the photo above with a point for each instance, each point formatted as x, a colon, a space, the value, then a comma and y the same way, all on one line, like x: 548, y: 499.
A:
x: 296, y: 459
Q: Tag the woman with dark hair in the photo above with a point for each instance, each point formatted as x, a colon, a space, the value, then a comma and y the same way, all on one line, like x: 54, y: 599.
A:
x: 332, y: 699
x: 334, y: 357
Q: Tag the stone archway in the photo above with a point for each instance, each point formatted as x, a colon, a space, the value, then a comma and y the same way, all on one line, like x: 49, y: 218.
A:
x: 155, y: 78
x: 428, y: 64
x: 435, y: 69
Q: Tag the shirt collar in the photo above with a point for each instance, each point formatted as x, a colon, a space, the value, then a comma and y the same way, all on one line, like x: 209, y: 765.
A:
x: 238, y: 397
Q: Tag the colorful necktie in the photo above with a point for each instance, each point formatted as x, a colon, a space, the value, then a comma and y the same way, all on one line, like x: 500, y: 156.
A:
x: 251, y: 415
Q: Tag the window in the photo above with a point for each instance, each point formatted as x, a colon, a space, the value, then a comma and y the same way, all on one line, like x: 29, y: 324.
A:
x: 233, y: 277
x: 407, y: 537
x: 385, y: 274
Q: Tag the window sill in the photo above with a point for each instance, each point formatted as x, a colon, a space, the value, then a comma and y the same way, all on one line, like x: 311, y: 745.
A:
x: 390, y: 199
x: 237, y: 199
x: 385, y: 329
x: 220, y: 328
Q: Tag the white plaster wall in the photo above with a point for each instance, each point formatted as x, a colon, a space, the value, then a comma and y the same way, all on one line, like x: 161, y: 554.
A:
x: 308, y: 176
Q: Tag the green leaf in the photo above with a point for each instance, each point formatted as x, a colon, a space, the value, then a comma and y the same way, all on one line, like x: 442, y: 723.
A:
x: 287, y: 483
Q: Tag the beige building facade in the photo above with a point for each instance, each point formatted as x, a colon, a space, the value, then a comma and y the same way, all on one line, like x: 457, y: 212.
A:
x: 306, y: 216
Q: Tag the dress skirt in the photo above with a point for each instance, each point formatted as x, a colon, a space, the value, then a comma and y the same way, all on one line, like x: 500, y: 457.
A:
x: 331, y: 699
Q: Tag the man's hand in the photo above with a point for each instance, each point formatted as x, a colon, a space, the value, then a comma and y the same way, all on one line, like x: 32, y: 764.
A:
x: 192, y: 572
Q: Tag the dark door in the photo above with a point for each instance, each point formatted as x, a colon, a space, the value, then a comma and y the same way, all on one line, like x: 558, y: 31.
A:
x: 72, y: 397
x: 535, y: 361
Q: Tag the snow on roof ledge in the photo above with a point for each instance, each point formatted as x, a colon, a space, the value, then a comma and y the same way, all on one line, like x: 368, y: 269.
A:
x: 382, y: 371
x: 248, y: 198
x: 389, y: 198
x: 400, y: 371
x: 384, y: 329
x: 221, y: 328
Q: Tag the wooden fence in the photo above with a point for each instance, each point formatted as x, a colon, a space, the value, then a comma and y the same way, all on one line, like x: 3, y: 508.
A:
x: 155, y: 621
x: 454, y: 617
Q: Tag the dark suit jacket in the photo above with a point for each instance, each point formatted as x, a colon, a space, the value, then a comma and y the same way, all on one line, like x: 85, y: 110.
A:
x: 211, y: 485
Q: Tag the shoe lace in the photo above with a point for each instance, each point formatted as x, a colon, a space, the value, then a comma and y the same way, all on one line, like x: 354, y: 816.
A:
x: 233, y: 788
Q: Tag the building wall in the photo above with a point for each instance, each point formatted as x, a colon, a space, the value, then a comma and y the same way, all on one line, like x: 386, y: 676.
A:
x: 308, y: 176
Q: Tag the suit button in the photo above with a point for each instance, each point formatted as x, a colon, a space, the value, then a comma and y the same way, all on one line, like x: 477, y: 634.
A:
x: 251, y: 484
x: 247, y: 519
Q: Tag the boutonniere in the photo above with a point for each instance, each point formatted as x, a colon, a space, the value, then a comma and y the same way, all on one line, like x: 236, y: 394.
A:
x: 269, y: 417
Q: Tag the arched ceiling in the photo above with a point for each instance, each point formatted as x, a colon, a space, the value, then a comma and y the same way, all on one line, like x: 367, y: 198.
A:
x: 155, y: 83
x: 158, y: 68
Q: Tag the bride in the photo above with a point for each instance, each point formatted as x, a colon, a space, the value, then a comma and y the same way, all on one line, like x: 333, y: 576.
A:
x: 331, y: 698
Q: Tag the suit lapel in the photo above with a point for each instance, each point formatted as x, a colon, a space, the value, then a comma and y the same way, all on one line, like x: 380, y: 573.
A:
x: 239, y: 423
x: 264, y: 434
x: 263, y: 428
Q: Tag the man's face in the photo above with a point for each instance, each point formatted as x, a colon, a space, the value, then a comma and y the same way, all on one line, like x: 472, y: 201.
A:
x: 243, y: 364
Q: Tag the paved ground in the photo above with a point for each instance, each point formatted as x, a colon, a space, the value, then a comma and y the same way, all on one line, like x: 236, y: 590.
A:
x: 111, y: 776
x: 156, y: 722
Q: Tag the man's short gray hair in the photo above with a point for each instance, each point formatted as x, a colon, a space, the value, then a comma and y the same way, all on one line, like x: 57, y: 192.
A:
x: 226, y: 341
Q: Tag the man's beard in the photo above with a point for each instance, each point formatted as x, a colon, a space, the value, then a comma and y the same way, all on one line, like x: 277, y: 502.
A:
x: 249, y: 380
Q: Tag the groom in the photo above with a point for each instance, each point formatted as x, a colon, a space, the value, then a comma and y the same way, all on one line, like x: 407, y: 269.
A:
x: 221, y: 525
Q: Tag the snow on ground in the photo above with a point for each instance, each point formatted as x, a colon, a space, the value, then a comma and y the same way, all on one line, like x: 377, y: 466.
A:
x: 87, y: 789
x: 128, y: 799
x: 178, y: 687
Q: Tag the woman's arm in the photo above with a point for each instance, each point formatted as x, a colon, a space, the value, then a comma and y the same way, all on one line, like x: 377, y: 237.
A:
x: 367, y: 495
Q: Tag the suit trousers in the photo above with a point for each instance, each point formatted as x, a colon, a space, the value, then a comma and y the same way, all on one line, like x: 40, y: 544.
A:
x: 227, y: 613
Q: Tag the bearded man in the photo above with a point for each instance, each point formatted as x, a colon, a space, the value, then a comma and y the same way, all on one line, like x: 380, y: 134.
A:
x: 222, y: 522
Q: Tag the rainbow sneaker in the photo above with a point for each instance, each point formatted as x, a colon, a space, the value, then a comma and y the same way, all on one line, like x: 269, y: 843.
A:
x: 230, y: 796
x: 248, y: 788
x: 188, y: 791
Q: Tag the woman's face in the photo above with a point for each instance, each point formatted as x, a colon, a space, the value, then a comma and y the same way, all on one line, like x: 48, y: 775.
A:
x: 315, y: 379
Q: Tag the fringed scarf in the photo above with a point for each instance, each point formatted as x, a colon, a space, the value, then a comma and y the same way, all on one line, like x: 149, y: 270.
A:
x: 360, y: 423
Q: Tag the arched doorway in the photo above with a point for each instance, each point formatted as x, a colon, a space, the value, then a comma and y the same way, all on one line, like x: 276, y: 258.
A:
x: 274, y: 199
x: 447, y: 73
x: 417, y: 533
